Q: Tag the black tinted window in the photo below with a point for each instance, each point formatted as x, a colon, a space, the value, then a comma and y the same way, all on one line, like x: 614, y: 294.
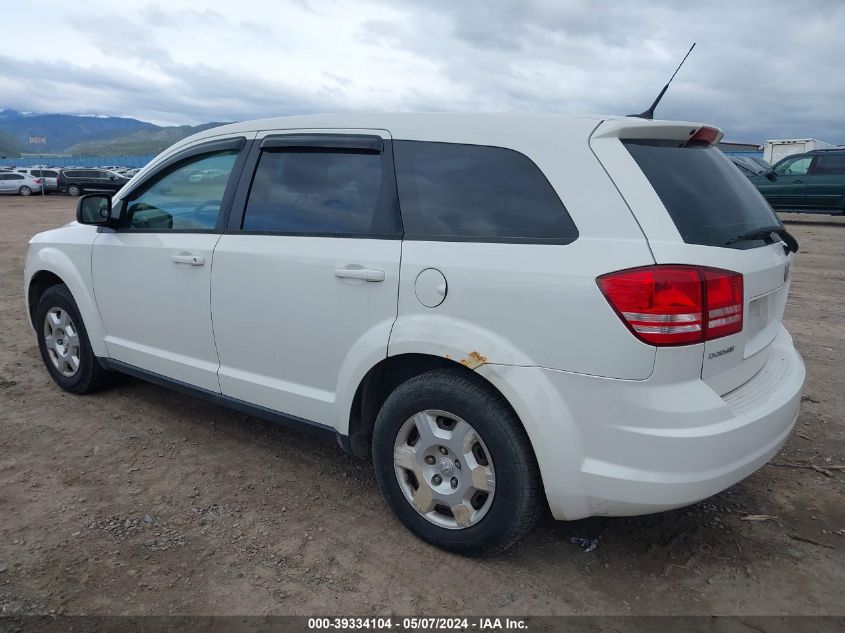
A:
x: 311, y: 191
x: 453, y: 191
x: 709, y: 201
x: 829, y: 164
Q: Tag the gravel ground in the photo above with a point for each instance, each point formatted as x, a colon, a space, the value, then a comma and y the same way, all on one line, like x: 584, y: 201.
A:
x: 138, y: 500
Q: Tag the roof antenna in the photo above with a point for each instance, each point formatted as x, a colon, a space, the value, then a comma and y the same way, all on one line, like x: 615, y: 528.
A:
x: 649, y: 114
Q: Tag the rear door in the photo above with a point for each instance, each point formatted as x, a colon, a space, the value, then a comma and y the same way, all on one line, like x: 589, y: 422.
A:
x: 304, y: 290
x: 690, y: 202
x: 826, y: 183
x: 788, y: 186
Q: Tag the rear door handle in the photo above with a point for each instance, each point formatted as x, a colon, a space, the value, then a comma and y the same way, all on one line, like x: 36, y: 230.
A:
x: 359, y: 272
x: 187, y: 258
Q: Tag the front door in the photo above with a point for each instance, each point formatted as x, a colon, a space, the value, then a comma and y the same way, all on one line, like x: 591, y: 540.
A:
x: 152, y: 277
x: 788, y: 189
x: 305, y: 283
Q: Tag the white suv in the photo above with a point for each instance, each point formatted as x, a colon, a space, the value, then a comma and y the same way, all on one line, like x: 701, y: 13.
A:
x: 502, y: 310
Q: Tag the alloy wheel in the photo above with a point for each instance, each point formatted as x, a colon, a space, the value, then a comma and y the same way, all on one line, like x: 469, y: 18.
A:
x: 61, y: 338
x: 444, y: 469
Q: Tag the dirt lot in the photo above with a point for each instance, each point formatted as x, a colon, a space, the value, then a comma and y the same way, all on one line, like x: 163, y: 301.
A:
x: 138, y: 500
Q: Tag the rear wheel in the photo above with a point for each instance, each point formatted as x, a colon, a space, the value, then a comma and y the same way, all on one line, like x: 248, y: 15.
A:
x: 73, y: 190
x: 455, y: 464
x: 64, y: 344
x: 25, y: 191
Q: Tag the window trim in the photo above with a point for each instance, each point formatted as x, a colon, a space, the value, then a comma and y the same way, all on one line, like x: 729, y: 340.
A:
x: 477, y: 239
x: 278, y: 142
x: 238, y: 143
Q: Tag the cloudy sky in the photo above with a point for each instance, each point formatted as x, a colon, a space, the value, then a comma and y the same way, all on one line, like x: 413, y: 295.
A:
x: 761, y: 69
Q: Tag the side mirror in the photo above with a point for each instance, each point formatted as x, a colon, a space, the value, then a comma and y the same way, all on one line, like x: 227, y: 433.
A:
x: 94, y: 208
x: 770, y: 174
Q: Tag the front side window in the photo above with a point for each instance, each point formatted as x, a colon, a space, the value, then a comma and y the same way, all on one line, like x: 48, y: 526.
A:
x: 450, y: 191
x: 794, y: 167
x: 186, y: 197
x: 320, y: 191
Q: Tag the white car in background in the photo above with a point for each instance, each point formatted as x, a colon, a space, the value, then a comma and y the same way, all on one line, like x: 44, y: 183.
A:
x: 18, y: 183
x: 503, y: 311
x: 48, y: 177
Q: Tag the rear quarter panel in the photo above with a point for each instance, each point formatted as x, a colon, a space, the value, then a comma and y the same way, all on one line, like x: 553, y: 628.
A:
x: 532, y: 304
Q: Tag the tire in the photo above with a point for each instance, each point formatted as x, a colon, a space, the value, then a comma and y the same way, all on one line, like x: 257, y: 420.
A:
x: 67, y: 353
x: 25, y: 191
x: 74, y: 191
x: 486, y: 521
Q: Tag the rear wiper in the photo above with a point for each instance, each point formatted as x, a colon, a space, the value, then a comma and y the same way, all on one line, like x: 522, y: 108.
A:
x: 766, y: 232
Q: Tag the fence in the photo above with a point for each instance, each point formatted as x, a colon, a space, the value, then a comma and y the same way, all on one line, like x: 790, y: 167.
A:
x: 77, y: 161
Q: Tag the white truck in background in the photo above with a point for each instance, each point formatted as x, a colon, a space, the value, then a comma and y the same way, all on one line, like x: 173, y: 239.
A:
x: 773, y: 151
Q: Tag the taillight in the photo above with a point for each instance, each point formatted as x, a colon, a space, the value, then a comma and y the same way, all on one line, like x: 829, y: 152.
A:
x: 704, y: 137
x: 37, y: 181
x: 674, y: 304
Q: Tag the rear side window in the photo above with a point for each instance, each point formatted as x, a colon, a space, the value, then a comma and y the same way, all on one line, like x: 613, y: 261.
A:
x: 709, y: 201
x: 311, y: 191
x: 829, y: 165
x: 450, y: 191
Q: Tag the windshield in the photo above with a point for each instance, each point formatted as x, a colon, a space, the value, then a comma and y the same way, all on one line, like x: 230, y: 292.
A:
x: 709, y: 200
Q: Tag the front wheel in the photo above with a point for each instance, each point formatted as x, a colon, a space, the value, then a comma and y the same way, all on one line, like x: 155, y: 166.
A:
x: 74, y: 191
x: 455, y: 464
x: 25, y: 191
x: 64, y: 344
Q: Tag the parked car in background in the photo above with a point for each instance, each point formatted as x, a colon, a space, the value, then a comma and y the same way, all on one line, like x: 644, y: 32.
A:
x: 810, y: 182
x: 747, y: 166
x: 760, y: 161
x: 75, y: 182
x: 48, y: 177
x: 20, y: 184
x: 502, y: 310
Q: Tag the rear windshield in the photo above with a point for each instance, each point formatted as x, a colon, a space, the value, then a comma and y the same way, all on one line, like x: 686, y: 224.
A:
x: 709, y: 200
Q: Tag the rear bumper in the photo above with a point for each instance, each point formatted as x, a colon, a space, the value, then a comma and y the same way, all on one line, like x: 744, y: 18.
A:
x: 620, y: 447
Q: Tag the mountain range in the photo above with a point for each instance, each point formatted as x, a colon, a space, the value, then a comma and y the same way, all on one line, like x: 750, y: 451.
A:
x: 85, y: 134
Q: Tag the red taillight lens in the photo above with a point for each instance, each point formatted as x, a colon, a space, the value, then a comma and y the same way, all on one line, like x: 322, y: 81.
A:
x: 724, y: 302
x: 676, y: 305
x: 704, y: 137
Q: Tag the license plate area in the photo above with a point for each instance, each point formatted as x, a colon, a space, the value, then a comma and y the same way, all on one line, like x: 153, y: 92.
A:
x: 762, y: 320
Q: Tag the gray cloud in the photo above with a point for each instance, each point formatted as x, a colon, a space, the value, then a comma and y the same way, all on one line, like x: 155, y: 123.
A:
x: 760, y: 70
